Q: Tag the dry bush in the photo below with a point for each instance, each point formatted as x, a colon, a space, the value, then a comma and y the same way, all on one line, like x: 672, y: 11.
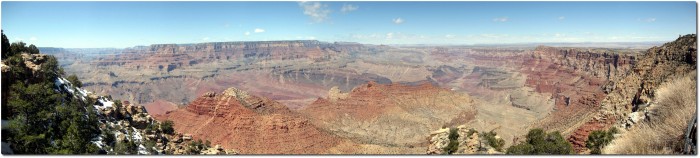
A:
x: 663, y: 132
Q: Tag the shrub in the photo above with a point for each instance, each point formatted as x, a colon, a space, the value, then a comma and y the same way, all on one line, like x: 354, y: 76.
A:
x: 5, y: 46
x: 167, y: 127
x: 597, y: 140
x: 540, y: 142
x: 454, y: 144
x: 75, y: 81
x: 521, y: 149
x: 494, y: 142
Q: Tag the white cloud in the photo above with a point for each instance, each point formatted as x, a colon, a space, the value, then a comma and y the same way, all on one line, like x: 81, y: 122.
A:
x: 247, y: 33
x: 561, y: 18
x: 389, y: 35
x: 348, y: 8
x: 32, y: 39
x: 259, y: 30
x: 398, y: 21
x: 494, y: 35
x: 649, y: 20
x: 311, y: 37
x: 317, y: 11
x: 449, y: 36
x: 205, y: 39
x: 501, y: 19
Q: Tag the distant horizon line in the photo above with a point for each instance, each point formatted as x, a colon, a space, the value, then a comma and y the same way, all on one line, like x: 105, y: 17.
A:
x: 416, y: 44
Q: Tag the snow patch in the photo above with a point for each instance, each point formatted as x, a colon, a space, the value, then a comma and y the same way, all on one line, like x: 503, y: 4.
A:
x: 142, y: 150
x: 136, y: 135
x: 106, y: 103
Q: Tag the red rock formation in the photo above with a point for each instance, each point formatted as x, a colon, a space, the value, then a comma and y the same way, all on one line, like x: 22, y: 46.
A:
x: 576, y: 79
x: 391, y: 114
x: 250, y: 124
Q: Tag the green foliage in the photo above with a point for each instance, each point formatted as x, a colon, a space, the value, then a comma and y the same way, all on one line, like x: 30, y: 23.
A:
x: 454, y: 144
x: 43, y: 120
x: 118, y: 105
x: 521, y: 149
x: 195, y: 147
x: 613, y: 130
x: 599, y: 139
x: 9, y: 50
x: 5, y: 46
x: 75, y: 81
x: 167, y: 127
x: 496, y: 143
x: 453, y: 134
x: 125, y: 148
x: 451, y: 147
x: 540, y: 142
x: 18, y: 48
x: 50, y: 69
x: 149, y: 144
x: 108, y: 137
x: 471, y: 132
x: 32, y: 49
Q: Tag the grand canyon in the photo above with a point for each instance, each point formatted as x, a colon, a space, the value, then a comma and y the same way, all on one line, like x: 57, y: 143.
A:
x: 263, y: 92
x: 317, y: 97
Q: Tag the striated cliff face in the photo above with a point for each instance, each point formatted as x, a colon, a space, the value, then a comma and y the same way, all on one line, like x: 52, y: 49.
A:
x: 636, y: 87
x: 288, y: 71
x: 251, y: 124
x: 167, y: 57
x: 604, y: 64
x: 658, y: 65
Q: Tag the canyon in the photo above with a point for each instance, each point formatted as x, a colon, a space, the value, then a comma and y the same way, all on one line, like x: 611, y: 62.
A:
x: 307, y: 96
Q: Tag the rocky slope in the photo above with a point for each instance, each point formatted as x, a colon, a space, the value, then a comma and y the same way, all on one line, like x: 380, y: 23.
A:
x: 251, y: 124
x: 635, y: 89
x: 118, y: 123
x: 390, y: 114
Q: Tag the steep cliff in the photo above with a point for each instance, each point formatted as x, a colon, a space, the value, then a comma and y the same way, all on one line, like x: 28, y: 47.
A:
x: 635, y: 89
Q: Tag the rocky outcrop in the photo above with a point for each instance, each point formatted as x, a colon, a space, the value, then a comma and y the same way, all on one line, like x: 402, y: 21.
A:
x: 250, y: 124
x: 438, y: 141
x: 470, y: 142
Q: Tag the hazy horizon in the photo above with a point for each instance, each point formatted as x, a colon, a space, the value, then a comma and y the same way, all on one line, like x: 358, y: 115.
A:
x: 129, y: 24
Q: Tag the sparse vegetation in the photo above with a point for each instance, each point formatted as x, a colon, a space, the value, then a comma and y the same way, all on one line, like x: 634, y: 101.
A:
x: 540, y: 142
x: 663, y: 133
x: 196, y: 147
x: 454, y: 144
x: 125, y: 147
x: 167, y: 127
x: 74, y: 80
x: 599, y: 139
x: 496, y: 143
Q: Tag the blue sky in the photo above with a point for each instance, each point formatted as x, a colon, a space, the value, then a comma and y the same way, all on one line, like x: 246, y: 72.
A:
x: 127, y: 24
